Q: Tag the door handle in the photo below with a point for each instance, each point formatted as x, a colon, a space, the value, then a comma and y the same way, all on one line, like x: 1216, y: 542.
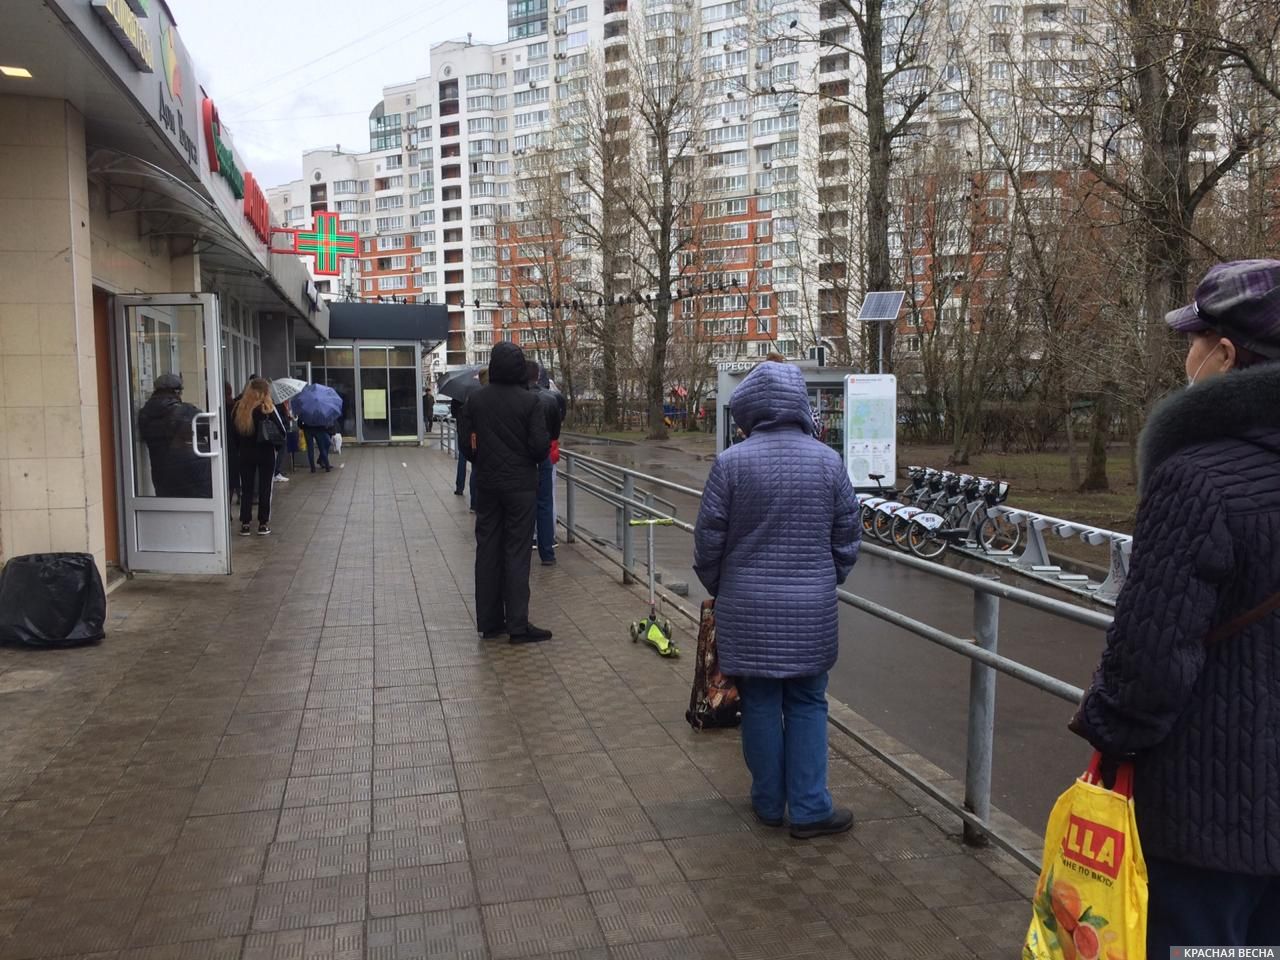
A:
x: 195, y: 442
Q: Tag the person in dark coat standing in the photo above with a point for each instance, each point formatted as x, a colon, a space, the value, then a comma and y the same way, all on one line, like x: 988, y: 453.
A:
x: 778, y: 530
x: 165, y: 424
x: 256, y: 452
x: 545, y: 525
x: 1189, y: 683
x: 460, y: 484
x: 503, y: 432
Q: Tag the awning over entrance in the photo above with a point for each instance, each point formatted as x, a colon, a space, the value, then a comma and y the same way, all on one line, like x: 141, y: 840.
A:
x: 426, y: 322
x: 172, y: 208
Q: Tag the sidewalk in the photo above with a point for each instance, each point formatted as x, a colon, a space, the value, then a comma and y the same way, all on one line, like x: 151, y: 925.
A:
x: 317, y: 758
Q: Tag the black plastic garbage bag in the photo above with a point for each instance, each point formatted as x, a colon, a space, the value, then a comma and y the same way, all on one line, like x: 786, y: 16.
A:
x: 51, y: 600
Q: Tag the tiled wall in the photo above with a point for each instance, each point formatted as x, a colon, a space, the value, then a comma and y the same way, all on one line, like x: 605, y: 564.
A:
x: 50, y: 478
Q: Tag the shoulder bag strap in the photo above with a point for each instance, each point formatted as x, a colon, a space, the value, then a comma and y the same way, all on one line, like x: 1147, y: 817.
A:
x: 1244, y: 621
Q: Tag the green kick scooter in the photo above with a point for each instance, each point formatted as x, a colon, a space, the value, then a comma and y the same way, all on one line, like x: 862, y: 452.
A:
x: 652, y: 631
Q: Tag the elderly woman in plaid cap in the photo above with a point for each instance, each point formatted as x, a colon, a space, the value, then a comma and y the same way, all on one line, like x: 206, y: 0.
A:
x: 1189, y: 683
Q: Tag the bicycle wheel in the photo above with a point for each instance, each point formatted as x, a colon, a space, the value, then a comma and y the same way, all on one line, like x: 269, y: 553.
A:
x: 868, y: 521
x: 901, y: 526
x: 882, y: 526
x: 998, y: 534
x: 923, y: 542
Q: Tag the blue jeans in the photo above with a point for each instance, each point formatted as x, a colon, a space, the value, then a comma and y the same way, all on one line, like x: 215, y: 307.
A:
x: 545, y: 523
x: 784, y: 741
x: 461, y: 483
x: 318, y: 446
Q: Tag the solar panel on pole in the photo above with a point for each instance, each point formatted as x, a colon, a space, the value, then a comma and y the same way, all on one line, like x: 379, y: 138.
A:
x: 881, y: 305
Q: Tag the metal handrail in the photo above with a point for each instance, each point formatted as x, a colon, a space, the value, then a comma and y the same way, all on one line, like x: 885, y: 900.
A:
x: 981, y: 649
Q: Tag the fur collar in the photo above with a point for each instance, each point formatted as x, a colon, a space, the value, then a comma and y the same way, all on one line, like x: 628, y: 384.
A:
x: 1230, y: 405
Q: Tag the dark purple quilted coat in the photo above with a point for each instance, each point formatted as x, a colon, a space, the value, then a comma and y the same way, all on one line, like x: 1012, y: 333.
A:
x: 1203, y: 723
x: 778, y: 530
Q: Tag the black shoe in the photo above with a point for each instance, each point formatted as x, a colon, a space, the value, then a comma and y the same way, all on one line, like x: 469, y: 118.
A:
x: 245, y: 530
x: 766, y: 821
x: 457, y: 493
x: 841, y: 820
x: 500, y: 634
x: 313, y: 469
x: 549, y: 563
x: 531, y: 634
x: 264, y: 530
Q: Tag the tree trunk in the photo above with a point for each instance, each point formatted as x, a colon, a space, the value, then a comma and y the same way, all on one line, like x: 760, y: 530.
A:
x: 879, y: 159
x: 1073, y: 455
x: 1096, y: 470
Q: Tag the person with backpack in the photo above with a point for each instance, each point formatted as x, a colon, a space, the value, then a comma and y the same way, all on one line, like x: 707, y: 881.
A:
x: 777, y: 532
x: 256, y: 432
x: 165, y: 424
x: 1188, y: 687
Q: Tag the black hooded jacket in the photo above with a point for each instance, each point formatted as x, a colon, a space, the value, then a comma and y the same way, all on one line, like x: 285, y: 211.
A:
x: 503, y: 429
x: 1201, y: 719
x: 165, y: 424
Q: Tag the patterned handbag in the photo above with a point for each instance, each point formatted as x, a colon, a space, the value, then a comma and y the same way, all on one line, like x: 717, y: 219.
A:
x: 714, y: 701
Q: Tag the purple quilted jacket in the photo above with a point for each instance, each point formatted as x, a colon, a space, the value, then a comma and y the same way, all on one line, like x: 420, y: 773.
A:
x: 1202, y: 723
x: 778, y: 530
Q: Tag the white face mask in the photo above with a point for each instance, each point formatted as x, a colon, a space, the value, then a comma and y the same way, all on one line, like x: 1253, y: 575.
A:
x: 1191, y: 381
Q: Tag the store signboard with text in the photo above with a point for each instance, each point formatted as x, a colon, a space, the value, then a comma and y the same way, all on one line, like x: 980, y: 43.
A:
x: 871, y: 428
x: 138, y: 41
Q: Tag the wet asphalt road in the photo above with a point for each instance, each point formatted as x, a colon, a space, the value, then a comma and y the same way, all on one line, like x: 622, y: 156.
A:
x: 913, y: 690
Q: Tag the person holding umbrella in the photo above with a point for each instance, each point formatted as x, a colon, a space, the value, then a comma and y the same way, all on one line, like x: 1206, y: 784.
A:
x: 457, y: 386
x: 318, y: 409
x: 503, y: 431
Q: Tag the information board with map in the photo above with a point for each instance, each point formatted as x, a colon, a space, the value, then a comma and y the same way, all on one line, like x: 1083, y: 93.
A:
x: 871, y: 428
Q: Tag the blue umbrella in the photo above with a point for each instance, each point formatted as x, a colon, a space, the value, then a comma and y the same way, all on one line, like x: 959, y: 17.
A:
x: 317, y: 405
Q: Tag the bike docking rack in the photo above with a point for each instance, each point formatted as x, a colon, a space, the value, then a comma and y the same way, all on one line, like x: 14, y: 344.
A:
x: 582, y: 475
x: 1035, y: 561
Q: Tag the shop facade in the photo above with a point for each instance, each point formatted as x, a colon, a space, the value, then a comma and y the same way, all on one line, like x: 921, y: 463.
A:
x: 136, y: 244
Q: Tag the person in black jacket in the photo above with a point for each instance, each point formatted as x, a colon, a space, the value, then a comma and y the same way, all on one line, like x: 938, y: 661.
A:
x: 1189, y: 682
x: 503, y: 432
x: 460, y: 484
x: 165, y: 423
x: 253, y: 421
x: 545, y: 522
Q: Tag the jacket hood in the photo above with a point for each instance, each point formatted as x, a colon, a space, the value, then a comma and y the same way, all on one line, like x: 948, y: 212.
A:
x: 1240, y: 403
x: 506, y: 364
x: 772, y: 395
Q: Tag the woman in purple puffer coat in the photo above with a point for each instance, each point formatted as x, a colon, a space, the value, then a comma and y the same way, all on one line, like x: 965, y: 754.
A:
x: 778, y: 531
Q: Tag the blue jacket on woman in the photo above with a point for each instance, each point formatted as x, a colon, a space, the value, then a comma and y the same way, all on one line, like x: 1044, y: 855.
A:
x: 777, y: 532
x: 1201, y: 721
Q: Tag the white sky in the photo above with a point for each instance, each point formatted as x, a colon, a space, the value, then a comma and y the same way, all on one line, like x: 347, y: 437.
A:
x: 255, y: 59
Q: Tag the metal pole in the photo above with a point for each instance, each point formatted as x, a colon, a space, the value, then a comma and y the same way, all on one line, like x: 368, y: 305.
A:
x: 570, y: 497
x: 624, y: 512
x: 880, y: 347
x: 982, y: 716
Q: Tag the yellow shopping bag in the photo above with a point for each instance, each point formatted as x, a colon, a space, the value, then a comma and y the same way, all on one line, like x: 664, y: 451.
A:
x: 302, y: 441
x: 1091, y: 902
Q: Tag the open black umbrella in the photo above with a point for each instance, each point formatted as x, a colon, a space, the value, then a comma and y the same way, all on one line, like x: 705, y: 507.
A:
x: 460, y: 384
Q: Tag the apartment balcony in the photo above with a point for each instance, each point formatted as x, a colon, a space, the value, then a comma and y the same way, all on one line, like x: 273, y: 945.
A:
x: 449, y: 108
x: 614, y: 8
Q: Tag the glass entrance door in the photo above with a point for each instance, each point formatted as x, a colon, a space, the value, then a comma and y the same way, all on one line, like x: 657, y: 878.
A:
x: 169, y: 420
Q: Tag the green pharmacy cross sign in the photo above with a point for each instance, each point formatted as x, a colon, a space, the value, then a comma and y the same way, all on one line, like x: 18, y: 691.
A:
x: 324, y: 241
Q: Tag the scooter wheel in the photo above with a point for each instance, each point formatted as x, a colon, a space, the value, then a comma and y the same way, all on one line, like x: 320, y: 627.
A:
x: 666, y: 628
x: 635, y: 632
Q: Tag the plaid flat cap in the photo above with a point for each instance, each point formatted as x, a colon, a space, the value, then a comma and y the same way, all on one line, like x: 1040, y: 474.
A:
x: 1240, y: 300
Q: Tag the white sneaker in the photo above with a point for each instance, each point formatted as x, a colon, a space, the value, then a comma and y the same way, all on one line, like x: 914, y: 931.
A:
x: 280, y: 478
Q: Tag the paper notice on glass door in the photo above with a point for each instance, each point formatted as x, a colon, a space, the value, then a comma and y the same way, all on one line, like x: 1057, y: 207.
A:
x: 375, y: 405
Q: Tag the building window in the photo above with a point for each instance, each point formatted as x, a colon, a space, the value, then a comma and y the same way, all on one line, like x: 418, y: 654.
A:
x: 395, y: 162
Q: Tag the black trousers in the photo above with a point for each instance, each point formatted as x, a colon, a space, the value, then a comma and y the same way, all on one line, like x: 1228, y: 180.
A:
x: 259, y: 466
x: 504, y: 521
x: 1193, y: 907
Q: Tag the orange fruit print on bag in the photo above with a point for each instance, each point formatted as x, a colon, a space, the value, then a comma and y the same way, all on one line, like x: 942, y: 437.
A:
x: 1091, y: 901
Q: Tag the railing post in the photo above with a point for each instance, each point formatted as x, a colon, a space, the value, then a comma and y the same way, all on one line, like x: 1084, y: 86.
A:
x: 628, y: 541
x: 570, y: 497
x: 982, y: 715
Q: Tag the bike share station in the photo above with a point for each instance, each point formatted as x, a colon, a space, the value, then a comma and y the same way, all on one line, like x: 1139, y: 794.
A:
x: 857, y: 415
